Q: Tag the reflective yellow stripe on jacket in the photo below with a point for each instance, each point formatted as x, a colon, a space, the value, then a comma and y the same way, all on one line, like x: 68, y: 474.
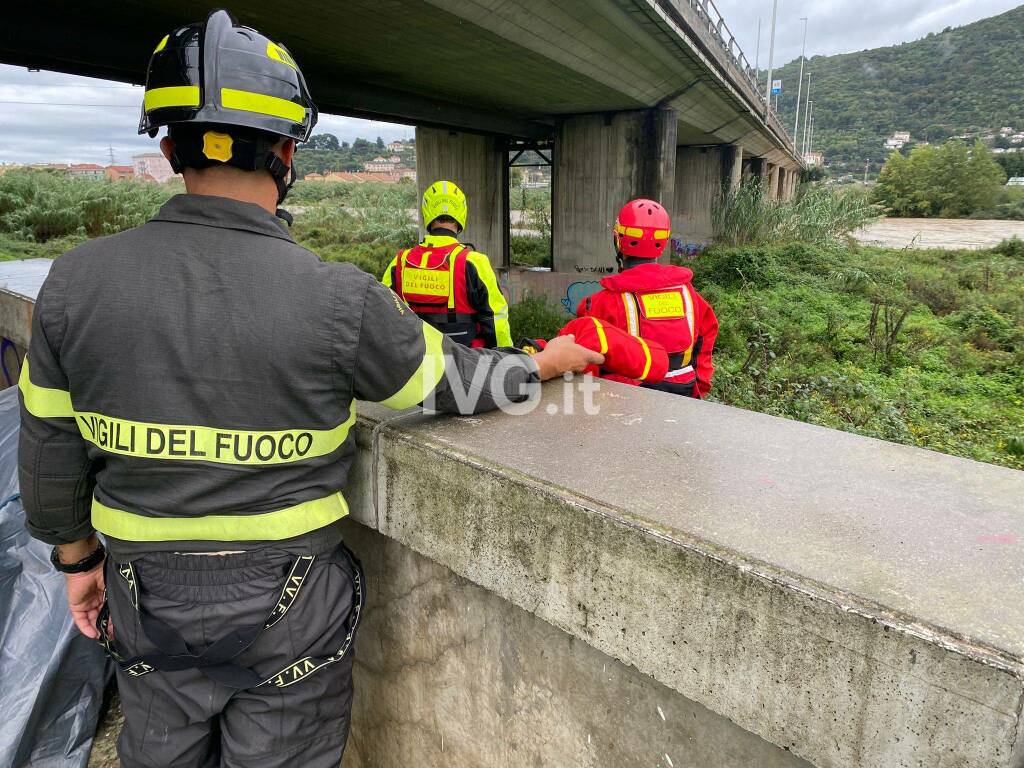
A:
x: 267, y: 526
x: 425, y: 378
x: 495, y: 298
x: 185, y: 442
x: 44, y: 402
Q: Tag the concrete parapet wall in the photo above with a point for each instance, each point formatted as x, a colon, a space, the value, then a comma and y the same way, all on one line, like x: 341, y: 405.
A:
x: 838, y: 597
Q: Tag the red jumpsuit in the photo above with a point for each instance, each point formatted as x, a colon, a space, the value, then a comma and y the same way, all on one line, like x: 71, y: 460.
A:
x: 658, y: 303
x: 629, y: 359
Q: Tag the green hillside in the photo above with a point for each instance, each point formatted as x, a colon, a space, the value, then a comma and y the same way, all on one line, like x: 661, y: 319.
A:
x: 961, y: 79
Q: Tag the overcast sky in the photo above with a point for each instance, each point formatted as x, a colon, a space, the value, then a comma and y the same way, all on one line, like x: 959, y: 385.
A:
x: 39, y: 122
x: 842, y: 26
x: 41, y: 126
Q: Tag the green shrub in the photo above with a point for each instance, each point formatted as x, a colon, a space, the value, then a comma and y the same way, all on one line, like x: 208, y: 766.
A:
x: 1013, y: 248
x: 986, y: 328
x: 733, y: 267
x: 529, y: 251
x: 536, y: 317
x: 372, y: 258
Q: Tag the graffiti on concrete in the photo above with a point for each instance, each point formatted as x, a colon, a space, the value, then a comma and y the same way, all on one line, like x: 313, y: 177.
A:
x: 595, y: 270
x: 577, y: 292
x: 687, y: 250
x: 10, y: 362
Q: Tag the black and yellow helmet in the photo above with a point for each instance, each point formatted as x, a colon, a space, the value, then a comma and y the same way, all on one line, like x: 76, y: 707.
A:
x: 219, y: 72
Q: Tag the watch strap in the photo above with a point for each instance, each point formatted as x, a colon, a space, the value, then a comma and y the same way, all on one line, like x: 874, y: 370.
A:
x: 87, y: 563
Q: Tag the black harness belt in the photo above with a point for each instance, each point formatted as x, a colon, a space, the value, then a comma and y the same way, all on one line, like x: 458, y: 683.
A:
x: 216, y: 661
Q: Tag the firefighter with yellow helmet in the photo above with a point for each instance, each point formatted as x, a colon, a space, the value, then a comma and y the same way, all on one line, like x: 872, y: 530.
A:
x: 450, y: 285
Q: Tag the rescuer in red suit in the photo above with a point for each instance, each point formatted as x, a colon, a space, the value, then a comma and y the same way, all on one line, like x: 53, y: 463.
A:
x: 628, y: 359
x: 656, y: 302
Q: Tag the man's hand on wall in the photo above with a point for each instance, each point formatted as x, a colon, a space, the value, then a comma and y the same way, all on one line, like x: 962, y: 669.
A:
x: 562, y: 355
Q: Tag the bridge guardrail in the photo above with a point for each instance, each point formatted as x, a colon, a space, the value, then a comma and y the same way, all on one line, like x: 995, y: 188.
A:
x: 719, y: 30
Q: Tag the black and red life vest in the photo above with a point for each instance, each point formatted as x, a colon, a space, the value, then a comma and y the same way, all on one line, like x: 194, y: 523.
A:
x: 432, y: 281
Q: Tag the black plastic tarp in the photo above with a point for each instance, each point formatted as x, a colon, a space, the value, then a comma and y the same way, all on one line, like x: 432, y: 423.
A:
x: 51, y: 677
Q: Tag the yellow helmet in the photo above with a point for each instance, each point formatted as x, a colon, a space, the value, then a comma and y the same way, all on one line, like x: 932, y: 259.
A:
x: 443, y: 198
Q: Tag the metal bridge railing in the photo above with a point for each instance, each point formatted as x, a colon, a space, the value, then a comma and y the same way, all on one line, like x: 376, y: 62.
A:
x: 718, y: 29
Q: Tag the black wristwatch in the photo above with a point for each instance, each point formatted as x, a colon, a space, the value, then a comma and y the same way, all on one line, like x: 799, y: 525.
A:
x: 87, y: 563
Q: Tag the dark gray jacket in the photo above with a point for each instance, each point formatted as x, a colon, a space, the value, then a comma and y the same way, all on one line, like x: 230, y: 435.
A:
x: 192, y: 380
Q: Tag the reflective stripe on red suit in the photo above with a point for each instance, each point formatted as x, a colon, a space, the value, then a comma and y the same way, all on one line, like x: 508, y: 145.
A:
x: 629, y: 359
x: 658, y: 303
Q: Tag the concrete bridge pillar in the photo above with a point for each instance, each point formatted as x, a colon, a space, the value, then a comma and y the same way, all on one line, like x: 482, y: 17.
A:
x: 476, y: 164
x: 601, y: 162
x: 792, y: 179
x: 759, y: 168
x: 702, y: 174
x: 732, y: 166
x: 774, y: 172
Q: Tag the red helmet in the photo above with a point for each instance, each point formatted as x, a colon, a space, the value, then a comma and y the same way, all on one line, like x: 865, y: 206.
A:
x: 642, y: 229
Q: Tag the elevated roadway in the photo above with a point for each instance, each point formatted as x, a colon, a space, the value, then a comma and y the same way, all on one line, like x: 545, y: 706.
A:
x: 634, y: 97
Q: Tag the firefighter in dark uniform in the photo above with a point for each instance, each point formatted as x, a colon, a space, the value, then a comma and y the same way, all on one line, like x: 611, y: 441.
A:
x: 188, y: 393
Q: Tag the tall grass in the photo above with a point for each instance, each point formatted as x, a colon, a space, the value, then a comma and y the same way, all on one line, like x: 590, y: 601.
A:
x: 351, y: 195
x: 817, y: 214
x: 43, y: 205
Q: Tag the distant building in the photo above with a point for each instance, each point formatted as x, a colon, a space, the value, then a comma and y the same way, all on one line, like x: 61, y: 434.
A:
x: 1015, y: 181
x: 87, y: 171
x: 391, y: 164
x: 1017, y: 138
x: 398, y: 146
x: 898, y: 140
x: 120, y: 172
x: 814, y: 158
x: 152, y: 165
x: 535, y: 178
x: 1005, y: 131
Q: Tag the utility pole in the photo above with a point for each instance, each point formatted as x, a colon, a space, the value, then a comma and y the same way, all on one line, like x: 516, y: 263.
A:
x: 771, y: 61
x: 810, y: 141
x: 808, y: 122
x: 800, y: 82
x: 866, y: 162
x: 807, y: 110
x: 757, y: 58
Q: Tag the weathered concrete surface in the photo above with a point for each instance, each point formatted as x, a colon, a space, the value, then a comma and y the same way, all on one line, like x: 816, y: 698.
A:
x: 20, y: 281
x: 476, y: 164
x: 939, y: 233
x: 450, y: 674
x: 855, y: 601
x: 702, y: 174
x: 601, y: 162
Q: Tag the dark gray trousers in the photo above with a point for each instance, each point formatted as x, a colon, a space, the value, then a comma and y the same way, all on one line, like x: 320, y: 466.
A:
x: 183, y: 719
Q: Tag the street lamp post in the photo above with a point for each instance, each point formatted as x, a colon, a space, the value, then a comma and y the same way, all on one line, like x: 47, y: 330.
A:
x: 800, y: 82
x: 808, y: 117
x: 771, y: 61
x: 807, y: 111
x: 757, y: 58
